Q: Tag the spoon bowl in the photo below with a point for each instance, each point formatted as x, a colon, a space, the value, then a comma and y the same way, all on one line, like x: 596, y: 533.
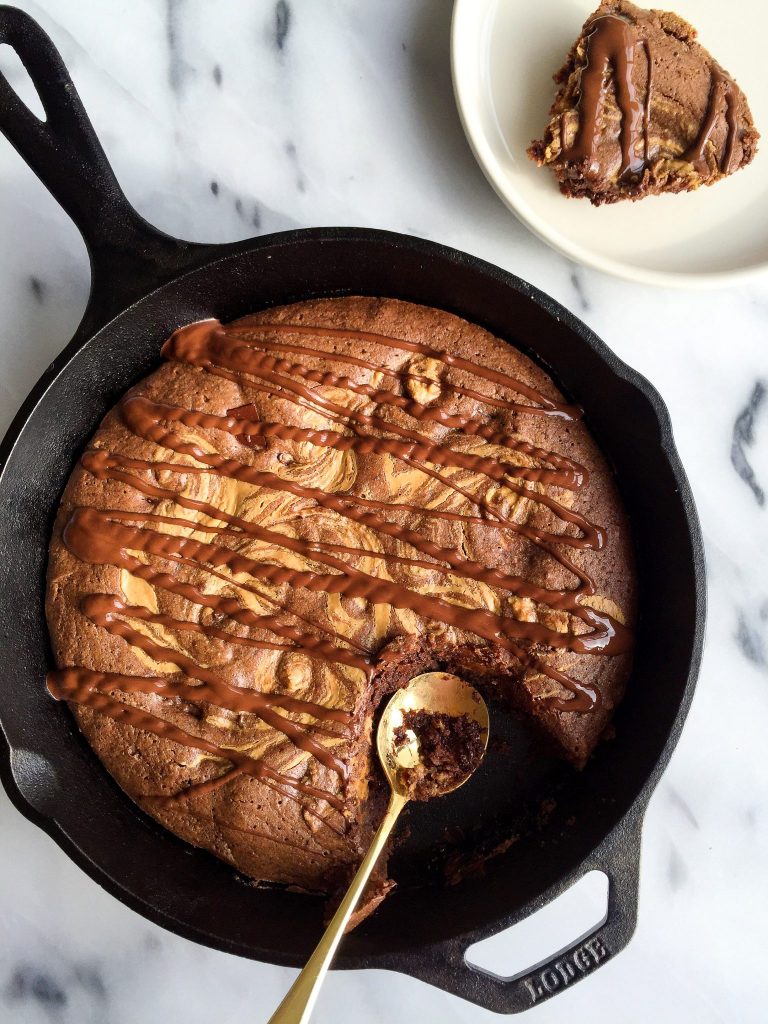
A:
x: 439, y: 694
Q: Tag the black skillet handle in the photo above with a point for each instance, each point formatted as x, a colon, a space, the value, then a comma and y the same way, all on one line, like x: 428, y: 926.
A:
x: 619, y: 857
x: 128, y: 256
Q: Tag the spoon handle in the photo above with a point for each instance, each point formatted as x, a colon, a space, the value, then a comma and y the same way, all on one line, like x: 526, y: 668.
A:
x: 301, y: 997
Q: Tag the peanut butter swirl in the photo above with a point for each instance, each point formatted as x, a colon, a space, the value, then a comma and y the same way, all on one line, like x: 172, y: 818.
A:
x: 246, y: 567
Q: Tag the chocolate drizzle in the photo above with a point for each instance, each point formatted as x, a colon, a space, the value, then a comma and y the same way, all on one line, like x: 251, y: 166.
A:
x: 546, y: 406
x: 611, y: 48
x: 140, y: 542
x: 722, y: 93
x: 647, y: 104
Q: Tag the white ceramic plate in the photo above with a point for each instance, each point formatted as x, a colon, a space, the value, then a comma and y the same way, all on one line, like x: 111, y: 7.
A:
x: 504, y: 53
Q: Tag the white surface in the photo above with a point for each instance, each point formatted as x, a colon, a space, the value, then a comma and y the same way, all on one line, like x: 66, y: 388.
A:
x: 504, y: 54
x: 353, y: 122
x: 574, y: 915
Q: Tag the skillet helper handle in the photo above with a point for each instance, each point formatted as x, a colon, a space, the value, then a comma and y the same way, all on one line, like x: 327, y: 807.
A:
x: 621, y: 863
x: 447, y: 967
x: 128, y: 256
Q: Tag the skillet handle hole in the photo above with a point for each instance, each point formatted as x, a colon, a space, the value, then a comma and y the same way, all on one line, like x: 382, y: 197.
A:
x: 567, y: 920
x: 17, y: 76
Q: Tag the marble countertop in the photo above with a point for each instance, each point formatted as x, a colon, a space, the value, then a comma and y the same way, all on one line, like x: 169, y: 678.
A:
x: 251, y: 116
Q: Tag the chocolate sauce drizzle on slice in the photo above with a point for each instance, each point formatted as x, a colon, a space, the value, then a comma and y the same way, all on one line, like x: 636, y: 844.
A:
x: 647, y: 104
x: 722, y: 93
x: 137, y: 542
x: 612, y: 47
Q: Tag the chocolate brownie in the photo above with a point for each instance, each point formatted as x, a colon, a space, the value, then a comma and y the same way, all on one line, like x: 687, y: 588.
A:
x: 291, y: 517
x: 642, y: 109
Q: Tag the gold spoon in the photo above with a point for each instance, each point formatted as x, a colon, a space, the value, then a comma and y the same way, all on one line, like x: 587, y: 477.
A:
x: 434, y: 692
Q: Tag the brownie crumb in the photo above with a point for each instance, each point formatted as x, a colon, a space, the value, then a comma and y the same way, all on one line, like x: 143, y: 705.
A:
x: 450, y: 749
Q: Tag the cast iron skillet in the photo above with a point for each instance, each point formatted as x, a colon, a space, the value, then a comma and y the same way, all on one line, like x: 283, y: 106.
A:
x: 145, y: 284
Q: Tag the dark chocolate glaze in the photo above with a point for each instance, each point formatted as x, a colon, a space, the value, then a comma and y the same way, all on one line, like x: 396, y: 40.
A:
x: 722, y: 94
x: 546, y: 405
x: 647, y: 104
x: 611, y: 46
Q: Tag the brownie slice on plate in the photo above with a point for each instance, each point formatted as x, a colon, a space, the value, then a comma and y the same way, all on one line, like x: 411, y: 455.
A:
x: 642, y: 108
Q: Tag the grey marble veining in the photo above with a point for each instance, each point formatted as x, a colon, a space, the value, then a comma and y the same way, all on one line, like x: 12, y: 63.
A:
x: 745, y: 438
x: 231, y: 119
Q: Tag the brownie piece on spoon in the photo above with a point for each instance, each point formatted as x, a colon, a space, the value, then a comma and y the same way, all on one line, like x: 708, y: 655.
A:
x: 643, y: 109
